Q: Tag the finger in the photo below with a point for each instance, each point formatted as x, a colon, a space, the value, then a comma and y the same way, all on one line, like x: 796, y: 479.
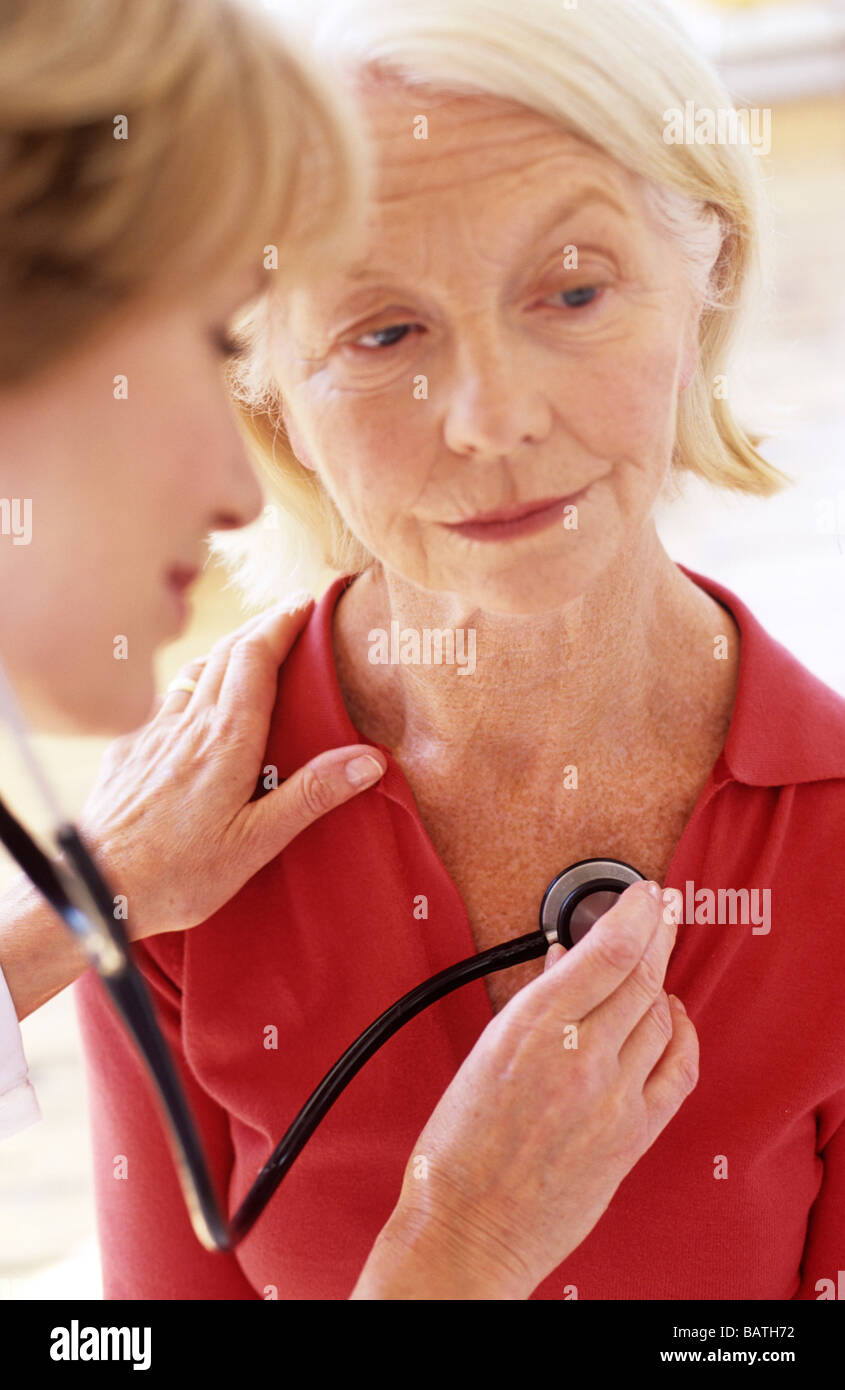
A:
x: 269, y: 638
x: 618, y: 1015
x: 647, y: 1042
x: 300, y: 601
x: 218, y: 657
x: 168, y: 702
x: 606, y: 956
x: 675, y: 1075
x: 555, y: 953
x: 176, y: 701
x: 324, y: 783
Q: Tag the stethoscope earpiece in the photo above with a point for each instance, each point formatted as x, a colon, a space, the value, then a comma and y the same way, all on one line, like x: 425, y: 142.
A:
x: 580, y: 895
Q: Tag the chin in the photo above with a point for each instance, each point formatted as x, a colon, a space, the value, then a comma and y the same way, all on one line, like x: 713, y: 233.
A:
x: 531, y: 587
x: 104, y: 711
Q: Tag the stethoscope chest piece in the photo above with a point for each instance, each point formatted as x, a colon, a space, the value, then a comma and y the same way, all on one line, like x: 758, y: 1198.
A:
x: 580, y: 895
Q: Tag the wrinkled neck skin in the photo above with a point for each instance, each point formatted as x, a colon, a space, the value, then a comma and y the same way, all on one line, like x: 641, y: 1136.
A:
x: 628, y: 664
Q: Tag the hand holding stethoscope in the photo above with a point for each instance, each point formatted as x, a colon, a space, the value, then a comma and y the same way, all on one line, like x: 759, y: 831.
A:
x: 206, y: 723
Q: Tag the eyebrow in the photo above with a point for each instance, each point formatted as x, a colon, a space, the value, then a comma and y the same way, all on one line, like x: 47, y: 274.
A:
x: 560, y: 213
x: 583, y: 198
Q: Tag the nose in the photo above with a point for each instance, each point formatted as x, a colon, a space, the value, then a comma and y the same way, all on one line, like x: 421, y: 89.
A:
x: 239, y: 498
x: 495, y: 404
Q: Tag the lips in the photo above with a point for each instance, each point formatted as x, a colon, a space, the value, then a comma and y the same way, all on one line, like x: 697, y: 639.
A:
x: 178, y: 581
x: 517, y: 513
x: 181, y: 577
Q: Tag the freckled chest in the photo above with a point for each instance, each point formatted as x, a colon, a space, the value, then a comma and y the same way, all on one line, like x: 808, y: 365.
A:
x: 501, y: 858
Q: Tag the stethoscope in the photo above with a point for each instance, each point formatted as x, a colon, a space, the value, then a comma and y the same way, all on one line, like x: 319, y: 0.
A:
x: 573, y: 901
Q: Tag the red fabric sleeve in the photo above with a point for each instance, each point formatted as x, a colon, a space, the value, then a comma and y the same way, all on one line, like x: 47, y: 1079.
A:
x: 824, y: 1249
x: 147, y: 1245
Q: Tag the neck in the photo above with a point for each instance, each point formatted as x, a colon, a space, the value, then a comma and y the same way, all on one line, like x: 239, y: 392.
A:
x: 631, y: 659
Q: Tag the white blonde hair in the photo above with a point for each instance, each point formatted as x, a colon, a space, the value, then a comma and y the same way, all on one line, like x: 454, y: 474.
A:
x: 608, y: 71
x: 226, y: 129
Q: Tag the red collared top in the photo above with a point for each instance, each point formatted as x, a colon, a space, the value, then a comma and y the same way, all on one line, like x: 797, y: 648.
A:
x: 741, y: 1196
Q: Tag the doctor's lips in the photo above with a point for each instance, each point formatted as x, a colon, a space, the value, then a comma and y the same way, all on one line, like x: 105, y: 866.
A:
x: 179, y: 579
x: 521, y: 520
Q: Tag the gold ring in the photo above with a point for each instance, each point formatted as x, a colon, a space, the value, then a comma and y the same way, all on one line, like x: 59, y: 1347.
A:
x: 182, y: 683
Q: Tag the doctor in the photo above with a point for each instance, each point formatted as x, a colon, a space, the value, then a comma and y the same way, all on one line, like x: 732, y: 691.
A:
x: 138, y: 195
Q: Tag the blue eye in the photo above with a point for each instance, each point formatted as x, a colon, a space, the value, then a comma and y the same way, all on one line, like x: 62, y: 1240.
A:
x: 395, y: 333
x: 387, y: 337
x: 574, y: 299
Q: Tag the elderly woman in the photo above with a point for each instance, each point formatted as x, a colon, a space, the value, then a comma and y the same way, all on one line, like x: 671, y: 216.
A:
x: 133, y: 260
x: 483, y: 401
x: 111, y: 258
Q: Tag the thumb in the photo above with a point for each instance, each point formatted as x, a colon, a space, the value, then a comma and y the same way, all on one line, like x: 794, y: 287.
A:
x: 313, y: 790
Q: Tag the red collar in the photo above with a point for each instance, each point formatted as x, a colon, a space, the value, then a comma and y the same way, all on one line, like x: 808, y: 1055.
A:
x: 787, y: 726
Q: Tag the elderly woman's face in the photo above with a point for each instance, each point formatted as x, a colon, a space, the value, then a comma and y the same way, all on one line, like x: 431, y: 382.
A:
x: 516, y: 331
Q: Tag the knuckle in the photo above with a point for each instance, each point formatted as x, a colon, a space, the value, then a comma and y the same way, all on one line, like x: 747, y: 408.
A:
x: 649, y: 974
x: 240, y: 650
x: 620, y: 949
x: 661, y: 1016
x: 220, y: 647
x: 225, y: 727
x: 315, y: 792
x: 688, y: 1074
x: 251, y: 644
x: 642, y: 995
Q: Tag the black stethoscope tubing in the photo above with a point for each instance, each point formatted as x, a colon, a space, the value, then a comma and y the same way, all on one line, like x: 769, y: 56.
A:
x: 108, y: 944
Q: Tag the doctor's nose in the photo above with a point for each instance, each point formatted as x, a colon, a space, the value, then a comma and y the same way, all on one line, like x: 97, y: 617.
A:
x: 238, y: 496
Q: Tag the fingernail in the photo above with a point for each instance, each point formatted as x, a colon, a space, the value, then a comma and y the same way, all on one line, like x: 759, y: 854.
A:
x: 678, y: 1002
x: 654, y: 889
x: 364, y: 770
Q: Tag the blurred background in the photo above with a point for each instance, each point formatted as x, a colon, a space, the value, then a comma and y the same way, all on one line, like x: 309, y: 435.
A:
x: 785, y: 556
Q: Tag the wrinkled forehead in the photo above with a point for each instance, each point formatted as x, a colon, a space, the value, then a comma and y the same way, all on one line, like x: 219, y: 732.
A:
x: 468, y: 187
x: 426, y: 141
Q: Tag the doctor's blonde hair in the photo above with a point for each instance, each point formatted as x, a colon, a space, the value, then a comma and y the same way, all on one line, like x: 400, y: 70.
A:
x: 605, y: 70
x: 148, y: 144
